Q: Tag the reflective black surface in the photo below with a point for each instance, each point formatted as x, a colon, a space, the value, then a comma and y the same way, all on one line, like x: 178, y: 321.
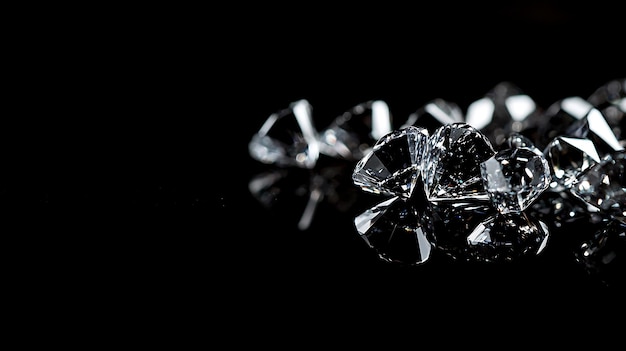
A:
x: 134, y: 195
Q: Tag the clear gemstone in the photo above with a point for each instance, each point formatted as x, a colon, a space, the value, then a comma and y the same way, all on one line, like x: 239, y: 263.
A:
x: 568, y: 157
x: 505, y: 237
x: 559, y: 116
x: 287, y: 138
x: 434, y: 114
x: 503, y: 110
x: 351, y: 135
x: 393, y: 165
x: 393, y: 229
x: 612, y: 92
x: 603, y: 185
x: 595, y: 128
x: 610, y: 99
x: 514, y: 178
x: 452, y: 163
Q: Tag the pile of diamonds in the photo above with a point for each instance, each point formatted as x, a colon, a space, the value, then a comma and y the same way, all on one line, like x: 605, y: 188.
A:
x: 491, y: 183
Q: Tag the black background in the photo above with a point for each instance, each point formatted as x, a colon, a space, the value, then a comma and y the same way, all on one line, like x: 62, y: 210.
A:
x: 127, y: 166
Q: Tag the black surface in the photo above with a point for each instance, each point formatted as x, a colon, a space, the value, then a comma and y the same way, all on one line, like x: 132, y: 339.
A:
x: 127, y: 175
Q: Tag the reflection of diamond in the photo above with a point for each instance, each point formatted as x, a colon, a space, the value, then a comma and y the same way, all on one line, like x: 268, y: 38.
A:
x: 605, y: 254
x: 294, y: 189
x: 453, y: 221
x: 604, y: 185
x: 351, y: 135
x: 452, y: 163
x: 514, y: 178
x: 287, y: 138
x: 393, y: 229
x: 392, y: 167
x: 504, y: 237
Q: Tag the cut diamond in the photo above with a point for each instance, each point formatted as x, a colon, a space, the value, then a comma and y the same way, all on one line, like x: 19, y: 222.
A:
x: 393, y: 165
x: 560, y: 115
x: 610, y: 99
x: 503, y: 110
x: 287, y: 138
x: 595, y: 128
x: 351, y: 135
x: 569, y: 157
x: 603, y: 185
x: 514, y: 178
x: 452, y: 163
x: 434, y: 114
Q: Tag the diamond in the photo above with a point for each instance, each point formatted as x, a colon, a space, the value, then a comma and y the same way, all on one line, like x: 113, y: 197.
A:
x: 452, y: 163
x: 610, y: 99
x: 351, y: 135
x: 603, y: 185
x: 595, y: 128
x: 287, y: 138
x: 569, y: 157
x: 393, y: 165
x: 434, y: 114
x: 514, y: 178
x: 560, y: 115
x: 503, y: 110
